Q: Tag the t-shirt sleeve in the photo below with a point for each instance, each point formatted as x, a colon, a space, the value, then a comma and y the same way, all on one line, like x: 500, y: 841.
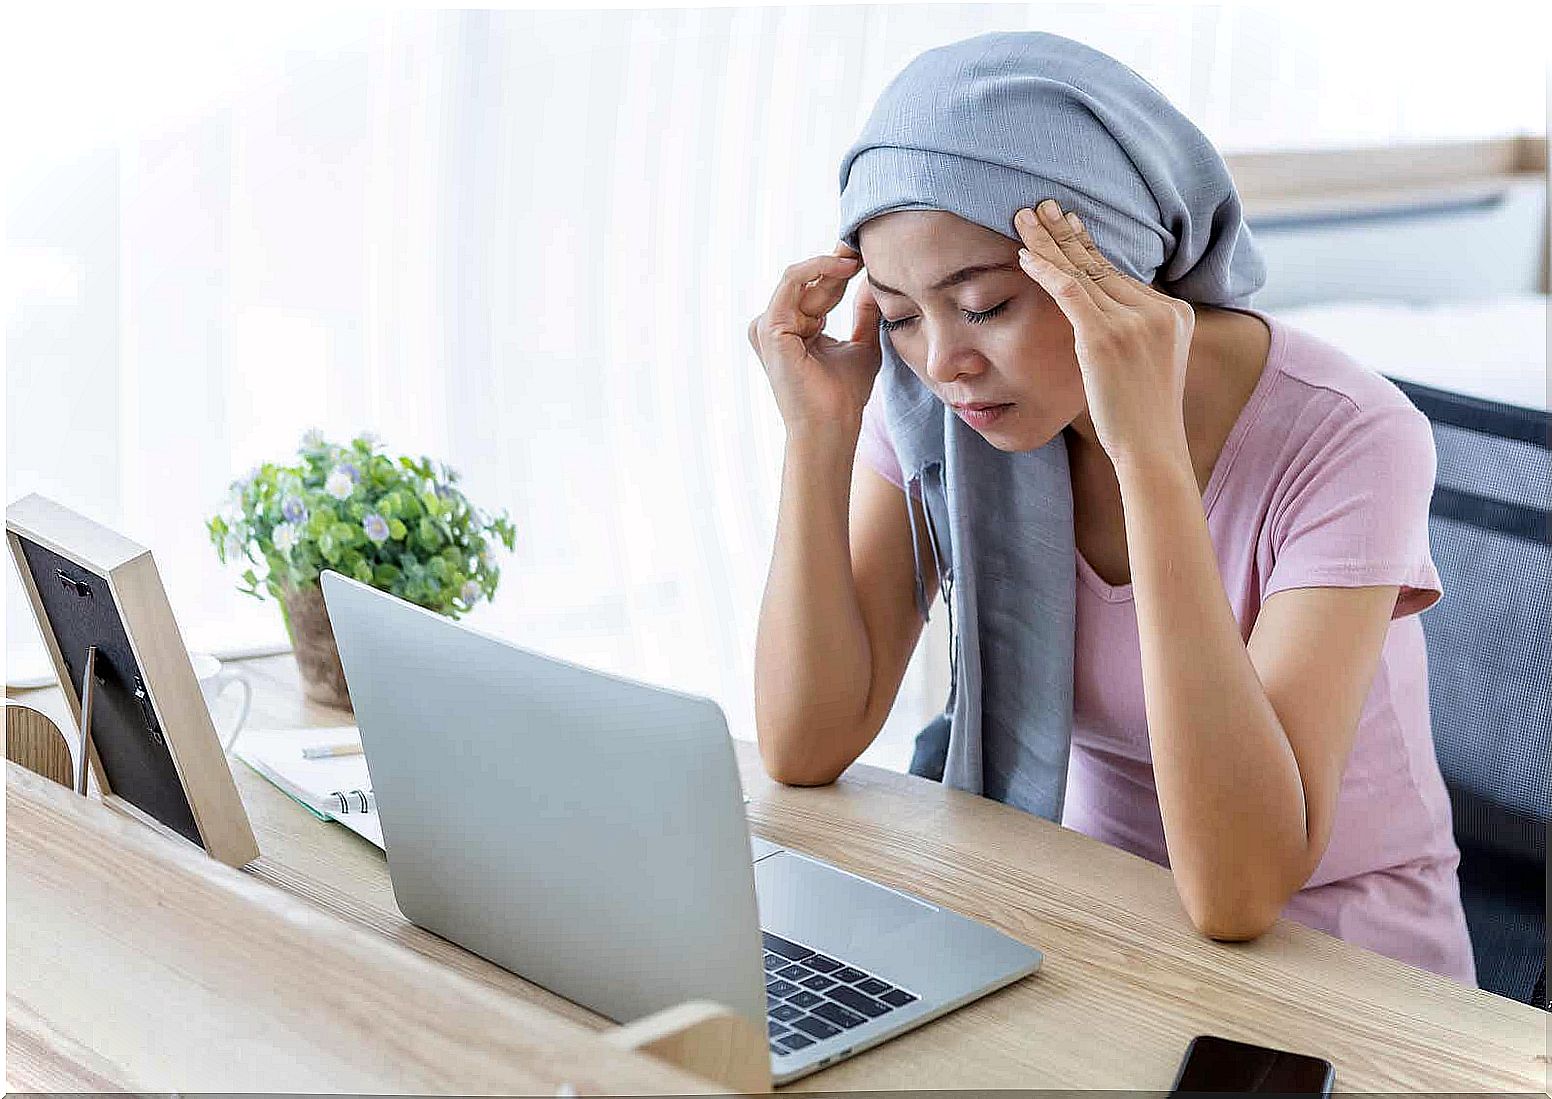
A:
x: 874, y: 446
x: 1356, y: 514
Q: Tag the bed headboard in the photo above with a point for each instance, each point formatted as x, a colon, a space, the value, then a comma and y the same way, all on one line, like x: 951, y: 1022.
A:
x: 1419, y: 223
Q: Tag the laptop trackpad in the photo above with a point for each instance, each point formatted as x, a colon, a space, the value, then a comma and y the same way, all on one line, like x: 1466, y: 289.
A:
x: 830, y: 909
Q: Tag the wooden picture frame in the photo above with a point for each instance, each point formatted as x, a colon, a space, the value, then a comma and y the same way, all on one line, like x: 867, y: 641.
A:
x: 153, y: 748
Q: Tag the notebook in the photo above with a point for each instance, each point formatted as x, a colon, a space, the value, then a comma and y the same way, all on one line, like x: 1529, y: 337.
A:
x: 277, y: 755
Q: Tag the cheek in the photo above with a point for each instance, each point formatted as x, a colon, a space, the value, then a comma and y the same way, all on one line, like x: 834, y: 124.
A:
x: 1044, y: 362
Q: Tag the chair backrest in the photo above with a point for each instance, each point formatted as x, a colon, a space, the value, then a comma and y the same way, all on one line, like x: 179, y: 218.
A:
x: 1489, y: 664
x: 33, y: 741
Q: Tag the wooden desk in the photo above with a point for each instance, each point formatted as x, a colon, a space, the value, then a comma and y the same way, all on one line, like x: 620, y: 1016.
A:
x: 1125, y: 985
x: 135, y: 963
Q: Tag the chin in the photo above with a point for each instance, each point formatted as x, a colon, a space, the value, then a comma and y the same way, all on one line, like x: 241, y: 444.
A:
x: 1022, y: 437
x: 1023, y: 446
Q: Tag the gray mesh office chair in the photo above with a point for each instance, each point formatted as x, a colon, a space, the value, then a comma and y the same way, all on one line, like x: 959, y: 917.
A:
x: 1489, y: 666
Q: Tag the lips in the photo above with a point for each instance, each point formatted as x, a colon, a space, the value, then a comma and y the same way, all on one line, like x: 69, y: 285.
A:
x: 980, y: 406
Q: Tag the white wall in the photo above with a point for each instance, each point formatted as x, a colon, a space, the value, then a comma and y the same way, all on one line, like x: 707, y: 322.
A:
x: 529, y: 242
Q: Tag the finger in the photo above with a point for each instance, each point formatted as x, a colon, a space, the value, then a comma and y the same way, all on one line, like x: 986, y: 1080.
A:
x: 1094, y: 269
x: 1041, y: 244
x: 1067, y: 287
x: 865, y: 316
x: 784, y: 305
x: 843, y: 249
x: 823, y: 295
x: 1115, y: 282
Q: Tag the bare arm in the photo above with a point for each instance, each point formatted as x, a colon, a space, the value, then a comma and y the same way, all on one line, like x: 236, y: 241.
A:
x: 1249, y: 740
x: 839, y: 622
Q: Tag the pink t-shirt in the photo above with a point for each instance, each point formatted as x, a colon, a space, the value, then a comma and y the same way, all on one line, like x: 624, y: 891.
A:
x: 1324, y: 480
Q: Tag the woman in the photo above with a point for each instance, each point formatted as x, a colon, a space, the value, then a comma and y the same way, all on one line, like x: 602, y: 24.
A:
x: 1186, y: 549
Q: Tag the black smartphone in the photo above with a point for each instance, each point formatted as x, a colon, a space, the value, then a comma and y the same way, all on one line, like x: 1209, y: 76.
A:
x: 1221, y: 1064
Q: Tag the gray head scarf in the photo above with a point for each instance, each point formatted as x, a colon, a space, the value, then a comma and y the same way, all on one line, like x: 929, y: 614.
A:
x: 982, y: 128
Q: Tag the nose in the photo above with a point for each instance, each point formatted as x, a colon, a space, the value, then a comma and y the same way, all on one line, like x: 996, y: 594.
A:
x: 950, y: 357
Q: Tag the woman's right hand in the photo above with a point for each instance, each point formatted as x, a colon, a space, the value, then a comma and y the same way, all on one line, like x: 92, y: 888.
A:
x: 820, y: 383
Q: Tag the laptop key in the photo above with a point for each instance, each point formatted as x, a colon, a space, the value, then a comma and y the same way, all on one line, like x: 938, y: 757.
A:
x: 815, y: 1028
x: 785, y: 947
x: 872, y: 986
x: 794, y: 972
x: 818, y: 982
x: 774, y: 961
x: 777, y: 1049
x: 849, y: 975
x: 805, y: 1000
x: 776, y: 1030
x: 771, y: 1003
x: 786, y: 1012
x: 897, y: 997
x: 857, y: 1001
x: 794, y: 1040
x: 835, y: 1013
x: 822, y: 963
x: 780, y: 989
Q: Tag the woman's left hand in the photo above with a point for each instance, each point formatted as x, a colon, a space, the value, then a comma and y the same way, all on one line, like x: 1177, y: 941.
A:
x: 1131, y: 341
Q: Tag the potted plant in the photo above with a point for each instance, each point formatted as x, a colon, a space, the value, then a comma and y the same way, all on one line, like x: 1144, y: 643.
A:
x: 399, y: 524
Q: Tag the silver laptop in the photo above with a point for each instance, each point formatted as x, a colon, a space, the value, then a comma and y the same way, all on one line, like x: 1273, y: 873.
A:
x: 587, y: 831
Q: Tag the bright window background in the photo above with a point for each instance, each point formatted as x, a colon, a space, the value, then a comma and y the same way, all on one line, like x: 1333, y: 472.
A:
x: 528, y: 242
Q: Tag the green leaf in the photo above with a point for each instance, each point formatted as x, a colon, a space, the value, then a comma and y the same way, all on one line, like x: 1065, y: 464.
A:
x: 396, y: 529
x: 321, y: 519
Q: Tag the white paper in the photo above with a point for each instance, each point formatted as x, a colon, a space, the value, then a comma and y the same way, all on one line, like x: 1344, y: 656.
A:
x: 277, y: 755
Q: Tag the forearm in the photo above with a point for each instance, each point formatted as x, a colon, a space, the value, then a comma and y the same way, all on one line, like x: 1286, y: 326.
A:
x: 1229, y: 787
x: 813, y: 666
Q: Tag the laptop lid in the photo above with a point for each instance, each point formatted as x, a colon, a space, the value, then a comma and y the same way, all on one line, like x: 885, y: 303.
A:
x: 582, y: 829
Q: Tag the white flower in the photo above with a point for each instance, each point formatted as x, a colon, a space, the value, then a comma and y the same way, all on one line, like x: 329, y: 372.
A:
x: 470, y: 592
x: 312, y: 439
x: 285, y: 537
x: 234, y: 545
x: 339, y: 484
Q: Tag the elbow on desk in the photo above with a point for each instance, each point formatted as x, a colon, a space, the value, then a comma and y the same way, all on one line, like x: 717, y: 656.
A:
x: 790, y: 771
x: 1230, y: 920
x: 789, y: 775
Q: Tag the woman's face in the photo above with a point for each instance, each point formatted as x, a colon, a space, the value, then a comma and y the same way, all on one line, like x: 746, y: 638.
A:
x: 989, y: 334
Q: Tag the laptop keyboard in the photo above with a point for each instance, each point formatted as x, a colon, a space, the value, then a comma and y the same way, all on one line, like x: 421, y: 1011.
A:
x: 809, y: 996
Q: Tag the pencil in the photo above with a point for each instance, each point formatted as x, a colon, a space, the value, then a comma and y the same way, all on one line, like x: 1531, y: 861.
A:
x: 325, y: 751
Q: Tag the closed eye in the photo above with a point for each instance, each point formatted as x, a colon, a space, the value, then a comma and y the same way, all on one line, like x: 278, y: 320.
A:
x: 970, y: 315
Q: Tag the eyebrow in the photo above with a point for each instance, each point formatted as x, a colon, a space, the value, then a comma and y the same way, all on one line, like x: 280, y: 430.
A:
x: 964, y: 274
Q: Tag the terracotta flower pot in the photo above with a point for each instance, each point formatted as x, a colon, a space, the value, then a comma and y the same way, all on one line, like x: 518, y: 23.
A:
x: 312, y: 639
